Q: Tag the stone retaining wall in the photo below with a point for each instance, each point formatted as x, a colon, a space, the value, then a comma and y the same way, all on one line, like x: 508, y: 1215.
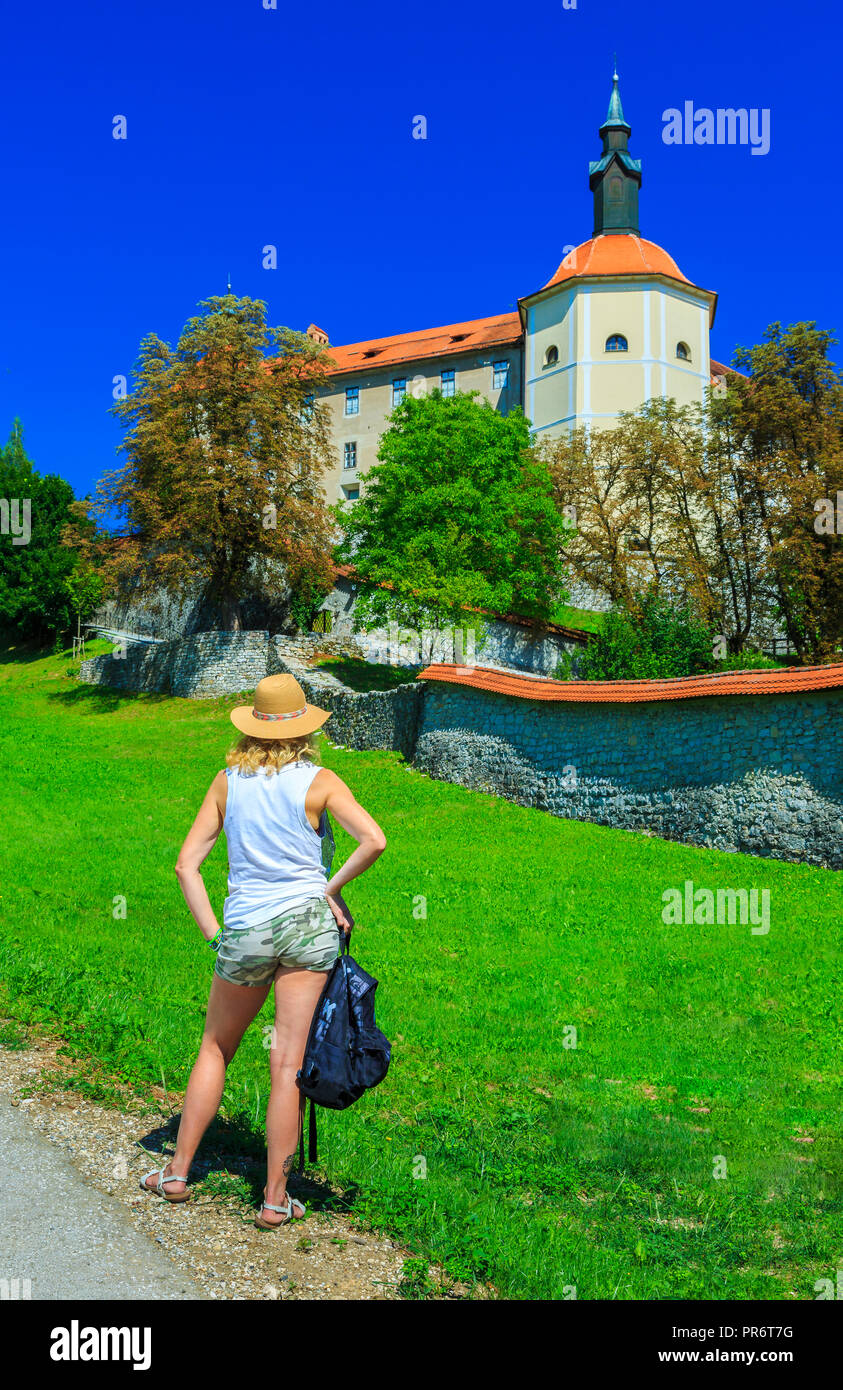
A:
x: 359, y: 719
x: 757, y: 774
x: 225, y: 663
x: 498, y: 642
x: 201, y: 666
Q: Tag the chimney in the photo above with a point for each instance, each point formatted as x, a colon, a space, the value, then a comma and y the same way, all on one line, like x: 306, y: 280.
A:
x: 318, y: 335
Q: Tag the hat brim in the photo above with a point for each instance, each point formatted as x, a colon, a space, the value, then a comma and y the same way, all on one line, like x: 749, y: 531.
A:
x: 272, y: 729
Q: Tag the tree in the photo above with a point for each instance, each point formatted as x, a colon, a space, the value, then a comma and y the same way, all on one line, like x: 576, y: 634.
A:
x: 226, y: 447
x: 456, y: 515
x: 728, y: 508
x: 787, y: 421
x: 34, y: 600
x: 84, y: 587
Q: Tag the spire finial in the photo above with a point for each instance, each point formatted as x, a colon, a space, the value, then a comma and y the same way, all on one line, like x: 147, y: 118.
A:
x: 228, y: 286
x: 615, y: 116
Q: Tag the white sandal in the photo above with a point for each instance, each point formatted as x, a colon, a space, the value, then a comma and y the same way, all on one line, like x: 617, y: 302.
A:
x: 159, y: 1186
x: 286, y: 1211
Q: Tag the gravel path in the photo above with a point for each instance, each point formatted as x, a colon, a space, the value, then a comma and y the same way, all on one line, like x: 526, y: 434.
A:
x: 62, y: 1151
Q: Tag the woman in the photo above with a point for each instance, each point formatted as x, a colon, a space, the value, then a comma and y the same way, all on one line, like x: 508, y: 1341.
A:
x: 281, y: 919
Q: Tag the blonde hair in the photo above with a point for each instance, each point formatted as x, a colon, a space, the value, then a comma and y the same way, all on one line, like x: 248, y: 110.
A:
x: 250, y: 753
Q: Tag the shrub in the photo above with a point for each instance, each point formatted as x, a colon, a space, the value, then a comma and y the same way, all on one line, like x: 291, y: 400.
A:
x: 650, y: 641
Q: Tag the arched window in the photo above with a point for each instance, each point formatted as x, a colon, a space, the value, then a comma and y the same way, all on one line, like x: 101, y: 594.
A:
x: 617, y: 343
x: 551, y: 357
x: 683, y: 352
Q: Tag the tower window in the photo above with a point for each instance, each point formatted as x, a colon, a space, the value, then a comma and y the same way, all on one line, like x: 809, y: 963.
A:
x: 617, y: 343
x: 683, y: 352
x: 551, y: 357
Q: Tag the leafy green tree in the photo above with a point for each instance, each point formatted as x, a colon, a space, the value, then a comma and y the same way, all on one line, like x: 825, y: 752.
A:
x: 455, y: 515
x: 84, y: 586
x: 34, y: 600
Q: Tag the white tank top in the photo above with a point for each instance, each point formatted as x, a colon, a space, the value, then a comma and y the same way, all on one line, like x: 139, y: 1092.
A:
x: 276, y: 860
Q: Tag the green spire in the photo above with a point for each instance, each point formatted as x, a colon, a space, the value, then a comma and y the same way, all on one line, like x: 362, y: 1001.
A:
x: 615, y: 178
x: 615, y: 116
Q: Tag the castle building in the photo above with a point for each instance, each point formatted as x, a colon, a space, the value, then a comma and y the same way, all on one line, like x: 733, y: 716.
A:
x: 617, y: 325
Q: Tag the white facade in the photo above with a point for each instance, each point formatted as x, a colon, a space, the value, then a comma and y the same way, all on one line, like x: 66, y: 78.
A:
x: 572, y: 378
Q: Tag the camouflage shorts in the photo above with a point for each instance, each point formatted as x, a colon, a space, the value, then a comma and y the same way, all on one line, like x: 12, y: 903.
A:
x: 306, y: 936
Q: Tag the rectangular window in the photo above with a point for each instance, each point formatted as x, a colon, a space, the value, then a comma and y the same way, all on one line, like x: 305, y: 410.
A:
x: 399, y: 390
x: 500, y: 376
x: 351, y: 494
x: 349, y: 455
x: 448, y: 383
x: 352, y: 400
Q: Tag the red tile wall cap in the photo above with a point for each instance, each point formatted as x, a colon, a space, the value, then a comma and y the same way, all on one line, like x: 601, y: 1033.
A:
x: 790, y: 680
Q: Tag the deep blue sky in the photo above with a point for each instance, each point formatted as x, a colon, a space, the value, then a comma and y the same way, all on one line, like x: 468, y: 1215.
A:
x: 293, y: 127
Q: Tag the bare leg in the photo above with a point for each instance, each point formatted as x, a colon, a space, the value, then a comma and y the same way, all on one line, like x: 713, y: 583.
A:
x: 231, y: 1009
x: 297, y: 993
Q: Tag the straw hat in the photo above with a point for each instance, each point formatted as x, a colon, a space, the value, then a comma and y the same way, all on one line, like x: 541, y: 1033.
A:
x: 280, y: 710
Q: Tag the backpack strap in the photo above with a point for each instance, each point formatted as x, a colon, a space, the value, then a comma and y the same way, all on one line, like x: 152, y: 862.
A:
x: 311, y: 1134
x: 302, y: 1104
x: 311, y: 1137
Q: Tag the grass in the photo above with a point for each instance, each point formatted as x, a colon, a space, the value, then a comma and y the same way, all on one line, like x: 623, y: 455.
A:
x: 359, y: 674
x: 581, y: 1096
x: 582, y: 619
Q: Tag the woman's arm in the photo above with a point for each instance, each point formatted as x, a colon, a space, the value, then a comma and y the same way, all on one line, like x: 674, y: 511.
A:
x: 201, y: 838
x: 336, y: 797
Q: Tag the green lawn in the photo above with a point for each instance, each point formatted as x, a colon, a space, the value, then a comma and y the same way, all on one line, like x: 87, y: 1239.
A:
x: 494, y: 1146
x: 583, y: 619
x: 360, y: 675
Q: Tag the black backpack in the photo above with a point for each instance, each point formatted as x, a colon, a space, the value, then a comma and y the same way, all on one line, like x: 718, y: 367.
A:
x: 346, y: 1053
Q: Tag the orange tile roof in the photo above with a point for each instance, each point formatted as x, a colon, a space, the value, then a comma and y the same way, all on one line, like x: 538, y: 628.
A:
x: 719, y: 370
x: 789, y: 680
x: 500, y: 330
x: 623, y: 254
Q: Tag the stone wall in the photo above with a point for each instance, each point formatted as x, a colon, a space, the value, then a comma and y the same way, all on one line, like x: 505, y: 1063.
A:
x: 225, y: 663
x: 201, y: 666
x: 167, y: 616
x: 757, y: 774
x: 498, y: 642
x: 359, y: 719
